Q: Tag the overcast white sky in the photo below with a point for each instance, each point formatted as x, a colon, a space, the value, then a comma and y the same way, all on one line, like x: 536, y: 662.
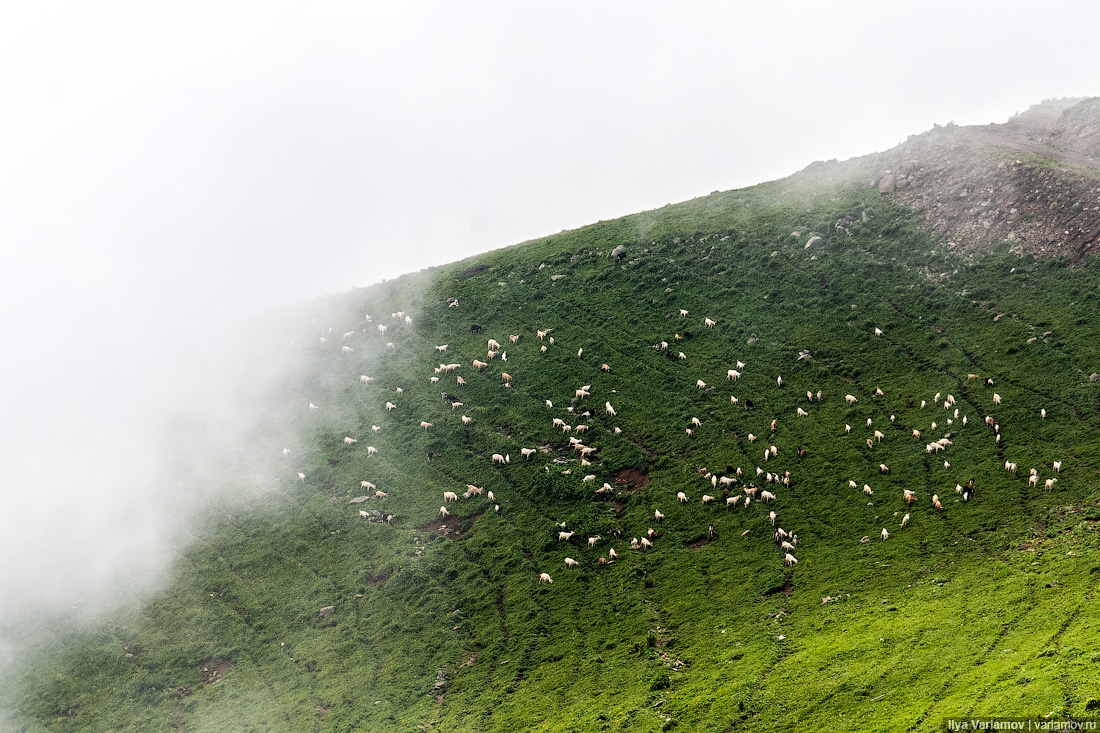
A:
x: 168, y: 167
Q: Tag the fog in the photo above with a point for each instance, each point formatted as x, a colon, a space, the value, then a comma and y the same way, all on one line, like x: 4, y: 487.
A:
x: 176, y: 177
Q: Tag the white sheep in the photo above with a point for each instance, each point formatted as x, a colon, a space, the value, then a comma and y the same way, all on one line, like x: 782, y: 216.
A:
x: 441, y: 348
x: 545, y: 578
x: 371, y: 450
x: 801, y: 413
x: 390, y: 406
x: 570, y: 563
x: 1057, y: 466
x: 996, y: 399
x: 850, y: 399
x: 593, y: 540
x: 349, y: 440
x: 443, y: 511
x: 790, y: 559
x: 493, y: 344
x: 682, y: 497
x: 301, y: 476
x: 424, y: 424
x: 657, y: 515
x: 565, y: 536
x: 498, y: 458
x: 885, y: 534
x: 707, y: 498
x: 646, y: 544
x: 766, y: 496
x: 708, y: 322
x: 607, y: 408
x: 733, y: 374
x: 449, y: 496
x: 1049, y: 484
x: 527, y: 452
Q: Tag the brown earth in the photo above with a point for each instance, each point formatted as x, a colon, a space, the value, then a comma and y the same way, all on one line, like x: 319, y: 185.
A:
x: 1032, y: 182
x: 632, y: 477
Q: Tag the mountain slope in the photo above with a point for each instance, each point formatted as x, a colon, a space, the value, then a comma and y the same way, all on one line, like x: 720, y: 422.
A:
x: 441, y: 623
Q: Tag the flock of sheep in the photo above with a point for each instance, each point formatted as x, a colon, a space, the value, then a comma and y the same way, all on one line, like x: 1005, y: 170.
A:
x: 736, y: 489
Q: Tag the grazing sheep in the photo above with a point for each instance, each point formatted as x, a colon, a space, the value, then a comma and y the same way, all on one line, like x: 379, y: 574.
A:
x: 708, y: 322
x: 565, y: 535
x: 498, y: 458
x: 443, y: 511
x: 593, y: 540
x: 367, y: 485
x: 996, y: 399
x: 646, y: 544
x: 885, y: 534
x: 850, y: 399
x: 390, y: 406
x: 371, y: 450
x: 766, y: 496
x: 657, y: 516
x: 349, y: 440
x: 801, y: 413
x: 790, y: 559
x: 909, y: 496
x: 883, y: 468
x: 571, y: 563
x: 612, y: 554
x: 682, y: 497
x: 301, y: 476
x: 707, y: 498
x: 545, y: 578
x: 424, y: 424
x: 732, y: 501
x: 936, y: 502
x: 1049, y: 484
x: 1057, y: 466
x: 905, y: 520
x: 733, y: 374
x: 449, y: 496
x: 609, y: 409
x: 441, y: 348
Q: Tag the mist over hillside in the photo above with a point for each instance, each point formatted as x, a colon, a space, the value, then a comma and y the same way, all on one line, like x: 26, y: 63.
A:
x: 278, y: 591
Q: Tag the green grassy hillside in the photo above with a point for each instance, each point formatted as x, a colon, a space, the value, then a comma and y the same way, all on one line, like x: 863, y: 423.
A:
x: 441, y: 623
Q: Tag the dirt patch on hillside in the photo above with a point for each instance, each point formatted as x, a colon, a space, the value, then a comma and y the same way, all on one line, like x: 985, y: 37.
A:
x: 697, y: 543
x: 632, y: 477
x: 212, y: 671
x: 453, y: 527
x: 1032, y: 182
x: 376, y: 580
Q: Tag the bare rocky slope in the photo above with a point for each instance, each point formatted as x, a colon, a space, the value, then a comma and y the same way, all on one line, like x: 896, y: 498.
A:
x: 1031, y: 185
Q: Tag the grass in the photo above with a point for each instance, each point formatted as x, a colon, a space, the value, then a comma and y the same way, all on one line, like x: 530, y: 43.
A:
x: 982, y: 609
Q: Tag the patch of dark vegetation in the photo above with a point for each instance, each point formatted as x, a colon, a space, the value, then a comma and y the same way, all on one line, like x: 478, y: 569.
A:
x: 474, y: 271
